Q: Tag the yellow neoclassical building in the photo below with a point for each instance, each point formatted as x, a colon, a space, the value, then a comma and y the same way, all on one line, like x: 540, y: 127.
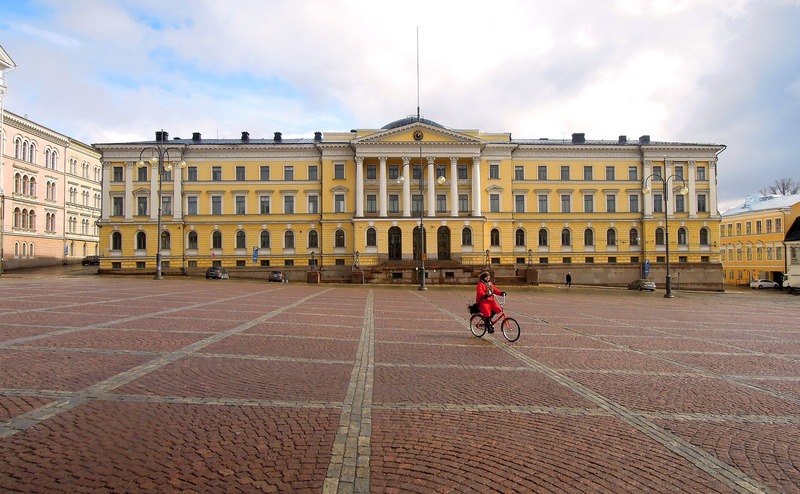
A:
x: 603, y: 210
x: 752, y: 238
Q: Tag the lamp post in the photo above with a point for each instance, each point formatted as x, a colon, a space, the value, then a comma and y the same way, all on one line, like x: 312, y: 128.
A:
x: 160, y: 155
x: 2, y: 224
x: 683, y: 190
x: 441, y: 180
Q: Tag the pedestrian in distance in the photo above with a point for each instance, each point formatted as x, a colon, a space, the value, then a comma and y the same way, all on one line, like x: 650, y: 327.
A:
x: 569, y: 280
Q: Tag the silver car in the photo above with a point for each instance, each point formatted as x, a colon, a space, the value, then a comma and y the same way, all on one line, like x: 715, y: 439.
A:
x: 642, y: 284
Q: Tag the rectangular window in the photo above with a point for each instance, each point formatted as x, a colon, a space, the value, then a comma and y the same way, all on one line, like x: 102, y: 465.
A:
x: 313, y: 204
x: 394, y: 203
x: 701, y: 173
x: 166, y: 204
x: 633, y: 173
x: 240, y: 205
x: 463, y: 202
x: 494, y: 171
x: 588, y: 203
x: 394, y: 172
x: 633, y: 203
x: 680, y: 203
x: 611, y: 203
x: 216, y: 205
x: 519, y: 203
x: 657, y: 171
x: 769, y: 227
x: 416, y: 172
x: 541, y: 172
x: 565, y: 173
x: 338, y: 171
x: 462, y: 172
x: 216, y: 173
x: 610, y: 173
x: 191, y: 174
x: 240, y: 173
x: 313, y: 172
x: 141, y: 174
x: 191, y: 205
x: 416, y: 203
x: 494, y: 203
x: 565, y: 206
x: 263, y: 205
x: 748, y: 228
x: 679, y: 171
x: 372, y: 203
x: 542, y: 203
x: 778, y: 228
x: 587, y: 172
x: 141, y: 206
x: 119, y: 209
x: 701, y: 203
x: 738, y: 228
x: 118, y: 174
x: 519, y: 173
x: 372, y: 172
x: 441, y: 203
x: 264, y: 173
x: 758, y: 226
x: 339, y: 203
x: 288, y: 173
x: 288, y: 204
x: 658, y: 203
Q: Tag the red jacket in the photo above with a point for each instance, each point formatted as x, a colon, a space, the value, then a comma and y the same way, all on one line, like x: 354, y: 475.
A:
x: 486, y: 302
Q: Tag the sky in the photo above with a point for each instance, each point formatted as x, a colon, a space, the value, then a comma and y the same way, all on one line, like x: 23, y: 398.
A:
x: 702, y: 71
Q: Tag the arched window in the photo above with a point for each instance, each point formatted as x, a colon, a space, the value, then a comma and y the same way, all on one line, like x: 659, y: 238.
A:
x: 338, y: 238
x: 17, y: 217
x: 241, y: 242
x: 32, y: 219
x: 543, y: 240
x: 116, y: 241
x: 313, y: 239
x: 25, y: 151
x: 192, y: 240
x: 264, y: 242
x: 611, y: 237
x: 659, y: 236
x: 141, y: 241
x: 494, y: 237
x: 24, y: 249
x: 17, y: 183
x: 682, y: 236
x: 372, y: 237
x: 24, y: 217
x: 17, y: 151
x: 704, y: 237
x: 32, y: 153
x: 24, y: 184
x: 519, y: 238
x: 30, y: 250
x: 466, y: 236
x: 166, y: 240
x: 588, y: 237
x: 216, y: 239
x: 288, y: 240
x: 566, y: 237
x: 47, y: 158
x: 633, y: 236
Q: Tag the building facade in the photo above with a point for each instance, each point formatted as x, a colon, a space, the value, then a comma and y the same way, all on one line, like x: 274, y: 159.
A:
x: 752, y: 238
x: 361, y: 198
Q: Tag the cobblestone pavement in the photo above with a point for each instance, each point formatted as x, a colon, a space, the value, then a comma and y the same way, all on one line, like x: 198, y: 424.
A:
x: 120, y: 384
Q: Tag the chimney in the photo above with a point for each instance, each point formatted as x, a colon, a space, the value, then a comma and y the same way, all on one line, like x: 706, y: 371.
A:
x: 317, y: 136
x: 278, y: 137
x: 245, y: 136
x: 196, y: 136
x: 645, y: 139
x: 623, y: 139
x: 161, y: 135
x: 578, y: 138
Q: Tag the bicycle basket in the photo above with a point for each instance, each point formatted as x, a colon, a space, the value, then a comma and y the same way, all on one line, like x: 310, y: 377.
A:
x: 473, y: 308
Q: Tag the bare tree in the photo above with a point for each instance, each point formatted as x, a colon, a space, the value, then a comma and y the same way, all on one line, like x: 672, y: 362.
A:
x: 781, y: 187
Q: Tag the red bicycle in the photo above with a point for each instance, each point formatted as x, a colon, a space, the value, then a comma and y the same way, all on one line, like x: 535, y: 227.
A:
x: 508, y: 325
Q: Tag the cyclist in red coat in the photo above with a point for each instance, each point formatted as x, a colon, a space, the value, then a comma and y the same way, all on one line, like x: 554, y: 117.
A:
x: 484, y: 297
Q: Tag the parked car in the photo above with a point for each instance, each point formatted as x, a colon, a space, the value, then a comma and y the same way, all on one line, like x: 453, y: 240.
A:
x: 278, y: 276
x: 90, y: 261
x: 216, y: 272
x: 642, y: 284
x: 763, y: 284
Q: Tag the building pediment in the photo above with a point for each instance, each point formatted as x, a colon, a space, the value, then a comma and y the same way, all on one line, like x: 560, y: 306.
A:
x: 417, y: 133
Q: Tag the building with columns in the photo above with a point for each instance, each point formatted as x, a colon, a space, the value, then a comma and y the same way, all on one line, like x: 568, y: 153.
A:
x: 359, y: 199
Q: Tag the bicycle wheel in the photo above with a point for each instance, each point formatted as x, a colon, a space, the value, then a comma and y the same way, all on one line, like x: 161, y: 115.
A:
x: 511, y: 329
x: 477, y: 325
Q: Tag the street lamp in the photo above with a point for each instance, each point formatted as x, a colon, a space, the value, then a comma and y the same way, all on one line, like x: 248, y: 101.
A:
x: 161, y: 157
x: 441, y: 180
x: 682, y: 191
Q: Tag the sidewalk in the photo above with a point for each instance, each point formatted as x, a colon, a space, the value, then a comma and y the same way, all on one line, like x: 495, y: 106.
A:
x: 192, y: 385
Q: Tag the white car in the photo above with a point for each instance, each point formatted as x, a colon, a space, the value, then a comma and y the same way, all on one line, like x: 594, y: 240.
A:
x: 763, y: 284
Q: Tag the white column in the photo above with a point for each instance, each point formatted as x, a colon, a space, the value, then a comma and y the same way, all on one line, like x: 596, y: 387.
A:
x: 105, y: 200
x: 129, y: 170
x: 713, y: 208
x: 177, y: 187
x: 154, y: 199
x: 407, y: 187
x: 647, y: 199
x: 359, y: 186
x: 382, y: 188
x: 454, y: 186
x: 691, y: 196
x: 476, y: 186
x: 431, y: 188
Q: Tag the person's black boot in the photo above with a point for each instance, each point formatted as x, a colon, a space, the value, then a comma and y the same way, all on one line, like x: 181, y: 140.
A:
x: 489, y: 327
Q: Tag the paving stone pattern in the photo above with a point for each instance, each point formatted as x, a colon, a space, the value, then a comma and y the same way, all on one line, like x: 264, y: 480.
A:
x: 186, y: 385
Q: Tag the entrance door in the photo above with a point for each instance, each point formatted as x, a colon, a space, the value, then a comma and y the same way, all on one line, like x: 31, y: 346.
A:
x: 395, y: 243
x: 443, y: 243
x: 418, y: 245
